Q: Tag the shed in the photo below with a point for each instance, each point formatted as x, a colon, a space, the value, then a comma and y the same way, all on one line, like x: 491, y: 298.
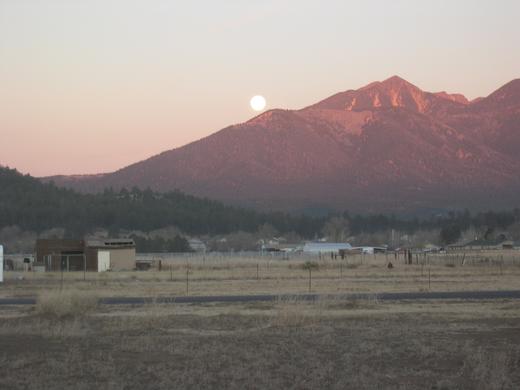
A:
x: 110, y: 254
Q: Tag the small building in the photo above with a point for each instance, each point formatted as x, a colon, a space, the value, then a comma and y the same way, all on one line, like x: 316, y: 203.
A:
x: 91, y: 255
x: 369, y: 250
x: 110, y: 254
x: 197, y: 245
x: 325, y: 247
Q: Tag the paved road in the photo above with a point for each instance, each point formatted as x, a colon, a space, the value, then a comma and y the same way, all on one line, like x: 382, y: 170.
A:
x: 404, y: 296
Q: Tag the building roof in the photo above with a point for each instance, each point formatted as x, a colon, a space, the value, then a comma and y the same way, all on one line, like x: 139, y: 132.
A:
x: 111, y: 243
x: 325, y: 246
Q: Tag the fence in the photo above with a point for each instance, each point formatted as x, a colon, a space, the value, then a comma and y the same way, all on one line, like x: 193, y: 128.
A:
x: 65, y: 262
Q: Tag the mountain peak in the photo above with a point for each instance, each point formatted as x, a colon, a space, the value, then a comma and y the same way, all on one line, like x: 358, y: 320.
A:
x: 394, y: 92
x: 396, y: 80
x: 389, y: 83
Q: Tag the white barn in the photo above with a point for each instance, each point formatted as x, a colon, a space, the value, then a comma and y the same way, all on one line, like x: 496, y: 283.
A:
x: 325, y: 247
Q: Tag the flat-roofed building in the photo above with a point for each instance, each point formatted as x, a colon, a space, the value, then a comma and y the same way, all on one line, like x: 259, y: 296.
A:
x: 90, y: 255
x: 110, y: 254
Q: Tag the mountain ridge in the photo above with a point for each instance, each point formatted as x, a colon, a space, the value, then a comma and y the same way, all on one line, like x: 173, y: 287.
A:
x: 386, y: 146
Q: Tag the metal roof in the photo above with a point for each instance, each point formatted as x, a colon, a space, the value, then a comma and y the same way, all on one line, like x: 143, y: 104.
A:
x: 316, y: 247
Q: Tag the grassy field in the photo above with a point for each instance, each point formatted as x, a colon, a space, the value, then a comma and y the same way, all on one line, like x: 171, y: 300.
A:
x: 66, y: 341
x: 196, y: 275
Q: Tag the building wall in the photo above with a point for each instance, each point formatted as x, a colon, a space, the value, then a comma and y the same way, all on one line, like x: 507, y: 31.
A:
x: 58, y: 248
x: 48, y: 247
x: 122, y: 258
x: 92, y: 263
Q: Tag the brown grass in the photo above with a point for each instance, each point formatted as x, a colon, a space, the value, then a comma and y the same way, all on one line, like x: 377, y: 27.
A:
x: 67, y: 303
x: 289, y: 343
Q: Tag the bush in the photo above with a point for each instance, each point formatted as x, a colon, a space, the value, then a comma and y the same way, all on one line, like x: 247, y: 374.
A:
x: 62, y: 304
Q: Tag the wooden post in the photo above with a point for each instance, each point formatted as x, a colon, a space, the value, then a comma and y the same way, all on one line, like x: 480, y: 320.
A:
x: 429, y: 279
x: 84, y: 267
x: 310, y: 278
x: 187, y: 280
x: 257, y: 271
x: 61, y: 268
x: 171, y: 272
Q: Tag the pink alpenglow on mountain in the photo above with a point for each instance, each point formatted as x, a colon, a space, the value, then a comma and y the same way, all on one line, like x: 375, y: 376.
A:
x: 388, y: 146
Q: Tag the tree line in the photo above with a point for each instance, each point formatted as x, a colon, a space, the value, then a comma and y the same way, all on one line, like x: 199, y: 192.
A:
x: 32, y: 205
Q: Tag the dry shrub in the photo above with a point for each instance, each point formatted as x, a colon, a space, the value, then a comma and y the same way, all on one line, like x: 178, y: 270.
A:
x: 62, y: 304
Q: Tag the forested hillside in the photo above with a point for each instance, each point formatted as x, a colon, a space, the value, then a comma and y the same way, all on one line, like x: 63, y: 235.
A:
x: 32, y: 205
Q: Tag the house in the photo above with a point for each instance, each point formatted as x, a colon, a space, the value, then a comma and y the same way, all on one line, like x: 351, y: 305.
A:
x: 325, y: 247
x: 91, y: 255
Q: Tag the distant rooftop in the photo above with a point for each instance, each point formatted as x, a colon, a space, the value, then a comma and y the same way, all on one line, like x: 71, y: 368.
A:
x: 110, y: 243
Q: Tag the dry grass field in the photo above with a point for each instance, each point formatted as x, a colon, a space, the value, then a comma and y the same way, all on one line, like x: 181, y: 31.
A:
x: 196, y: 275
x: 68, y: 342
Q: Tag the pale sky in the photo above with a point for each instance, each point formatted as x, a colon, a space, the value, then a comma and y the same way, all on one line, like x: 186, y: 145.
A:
x: 92, y: 86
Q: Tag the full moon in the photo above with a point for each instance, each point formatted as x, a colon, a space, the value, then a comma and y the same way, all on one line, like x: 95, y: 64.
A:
x: 257, y: 103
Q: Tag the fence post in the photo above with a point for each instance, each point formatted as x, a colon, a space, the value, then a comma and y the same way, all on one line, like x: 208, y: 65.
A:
x: 61, y: 269
x: 187, y: 279
x: 84, y: 267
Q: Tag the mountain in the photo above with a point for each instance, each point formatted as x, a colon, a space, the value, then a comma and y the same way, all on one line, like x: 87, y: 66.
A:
x: 388, y: 146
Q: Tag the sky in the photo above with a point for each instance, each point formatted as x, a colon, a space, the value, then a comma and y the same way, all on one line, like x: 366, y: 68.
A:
x: 93, y: 86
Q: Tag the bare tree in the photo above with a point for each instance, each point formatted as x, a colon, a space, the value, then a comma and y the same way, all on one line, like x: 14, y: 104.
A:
x: 336, y: 229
